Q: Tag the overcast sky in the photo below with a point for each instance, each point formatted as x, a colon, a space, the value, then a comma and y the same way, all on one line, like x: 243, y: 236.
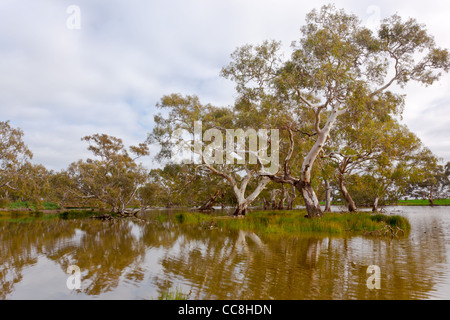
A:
x: 59, y: 82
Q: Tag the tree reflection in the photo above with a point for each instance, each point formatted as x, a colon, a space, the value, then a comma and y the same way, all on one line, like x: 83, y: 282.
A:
x: 104, y: 251
x: 241, y: 265
x: 22, y: 243
x: 220, y: 264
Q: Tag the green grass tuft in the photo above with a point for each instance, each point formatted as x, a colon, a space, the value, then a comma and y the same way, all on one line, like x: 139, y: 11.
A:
x: 176, y: 294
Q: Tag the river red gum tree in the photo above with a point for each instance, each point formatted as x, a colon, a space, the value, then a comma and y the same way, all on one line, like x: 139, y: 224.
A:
x: 187, y: 124
x: 338, y: 66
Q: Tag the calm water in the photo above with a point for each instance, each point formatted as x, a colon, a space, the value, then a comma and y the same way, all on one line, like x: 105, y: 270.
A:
x: 140, y: 259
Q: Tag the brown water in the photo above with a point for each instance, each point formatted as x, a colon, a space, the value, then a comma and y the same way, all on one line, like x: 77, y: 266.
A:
x: 140, y: 259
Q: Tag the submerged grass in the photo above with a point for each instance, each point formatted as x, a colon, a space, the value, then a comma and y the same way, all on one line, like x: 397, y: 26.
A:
x: 28, y: 217
x: 176, y: 294
x: 293, y: 223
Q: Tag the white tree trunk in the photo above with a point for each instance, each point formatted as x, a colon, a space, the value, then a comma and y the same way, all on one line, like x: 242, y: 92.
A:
x: 310, y: 197
x: 327, y: 196
x: 375, y: 204
x: 244, y: 203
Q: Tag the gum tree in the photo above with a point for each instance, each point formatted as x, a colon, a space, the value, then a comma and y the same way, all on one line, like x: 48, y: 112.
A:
x: 61, y: 187
x: 185, y: 185
x: 112, y: 178
x: 207, y: 149
x: 337, y: 67
x: 14, y: 154
x: 427, y: 179
x: 368, y: 143
x: 33, y: 185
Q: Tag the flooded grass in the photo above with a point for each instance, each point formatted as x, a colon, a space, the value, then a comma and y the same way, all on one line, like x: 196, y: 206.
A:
x: 176, y: 294
x: 293, y: 223
x: 29, y: 217
x: 18, y: 205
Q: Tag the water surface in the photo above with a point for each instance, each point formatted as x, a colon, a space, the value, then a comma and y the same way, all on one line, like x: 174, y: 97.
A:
x: 143, y: 258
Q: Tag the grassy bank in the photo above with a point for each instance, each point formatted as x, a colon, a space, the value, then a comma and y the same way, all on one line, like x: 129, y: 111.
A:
x: 420, y: 202
x: 294, y: 223
x: 19, y: 205
x: 28, y: 217
x: 414, y: 202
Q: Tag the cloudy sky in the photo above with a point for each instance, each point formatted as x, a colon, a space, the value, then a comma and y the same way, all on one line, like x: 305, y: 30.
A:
x: 62, y: 78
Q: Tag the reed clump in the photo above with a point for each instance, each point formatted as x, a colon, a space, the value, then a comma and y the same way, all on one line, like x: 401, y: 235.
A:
x: 294, y: 222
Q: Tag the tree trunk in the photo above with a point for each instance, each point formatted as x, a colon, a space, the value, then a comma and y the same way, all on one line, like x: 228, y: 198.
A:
x: 375, y: 204
x: 273, y: 199
x: 348, y: 198
x: 311, y: 202
x: 266, y: 204
x: 283, y: 198
x: 208, y: 205
x: 291, y: 198
x: 244, y: 203
x: 241, y: 209
x: 310, y: 197
x: 327, y: 196
x: 430, y: 197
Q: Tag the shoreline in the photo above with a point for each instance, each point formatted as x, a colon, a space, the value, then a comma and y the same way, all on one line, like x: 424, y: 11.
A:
x: 95, y: 210
x: 48, y: 211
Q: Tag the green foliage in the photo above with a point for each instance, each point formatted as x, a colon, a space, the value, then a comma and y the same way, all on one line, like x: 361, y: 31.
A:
x: 427, y: 178
x: 4, y: 202
x: 339, y: 68
x: 14, y: 155
x: 113, y: 178
x: 51, y: 206
x: 330, y: 97
x: 393, y: 221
